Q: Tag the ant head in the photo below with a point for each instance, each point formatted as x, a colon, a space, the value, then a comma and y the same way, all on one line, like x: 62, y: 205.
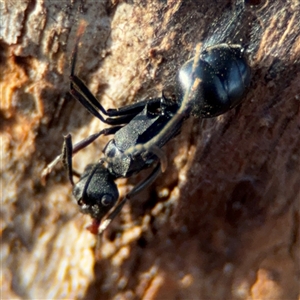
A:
x: 96, y: 192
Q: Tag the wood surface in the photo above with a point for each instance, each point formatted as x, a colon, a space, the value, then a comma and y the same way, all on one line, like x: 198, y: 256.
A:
x: 221, y: 223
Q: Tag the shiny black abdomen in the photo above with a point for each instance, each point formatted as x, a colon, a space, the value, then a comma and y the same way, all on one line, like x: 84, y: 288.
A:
x: 224, y: 75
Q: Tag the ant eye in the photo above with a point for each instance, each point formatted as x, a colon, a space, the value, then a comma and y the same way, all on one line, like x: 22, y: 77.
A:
x: 80, y: 202
x: 107, y: 200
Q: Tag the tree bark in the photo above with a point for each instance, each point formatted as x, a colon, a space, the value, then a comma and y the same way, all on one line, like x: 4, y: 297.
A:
x: 221, y: 223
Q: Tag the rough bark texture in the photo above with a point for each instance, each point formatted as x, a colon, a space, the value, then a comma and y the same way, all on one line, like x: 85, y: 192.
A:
x: 221, y: 223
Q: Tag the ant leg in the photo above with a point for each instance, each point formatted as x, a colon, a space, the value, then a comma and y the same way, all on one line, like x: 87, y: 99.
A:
x: 122, y: 115
x: 134, y: 108
x: 67, y: 154
x: 184, y: 112
x: 85, y: 142
x: 137, y: 189
x: 160, y: 105
x: 160, y: 154
x: 78, y: 146
x: 82, y: 94
x: 86, y: 103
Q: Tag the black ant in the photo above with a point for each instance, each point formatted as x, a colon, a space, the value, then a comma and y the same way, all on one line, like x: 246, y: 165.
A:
x: 208, y: 85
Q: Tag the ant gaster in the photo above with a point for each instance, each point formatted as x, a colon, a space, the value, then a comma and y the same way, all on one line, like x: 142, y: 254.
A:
x: 208, y: 85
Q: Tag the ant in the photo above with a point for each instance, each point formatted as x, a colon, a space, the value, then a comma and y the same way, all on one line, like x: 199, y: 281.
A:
x: 208, y: 85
